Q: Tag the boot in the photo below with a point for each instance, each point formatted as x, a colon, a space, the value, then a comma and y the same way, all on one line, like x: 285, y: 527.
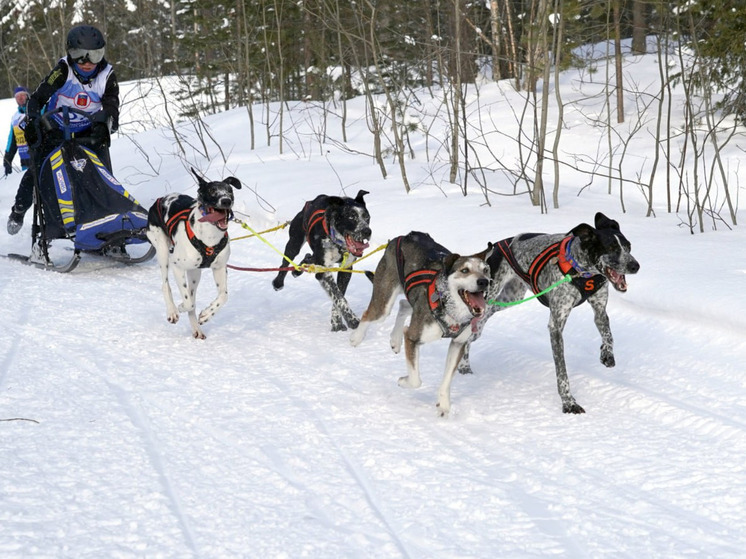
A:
x: 15, y: 221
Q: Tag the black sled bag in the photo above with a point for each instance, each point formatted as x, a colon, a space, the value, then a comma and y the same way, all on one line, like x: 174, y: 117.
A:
x: 84, y: 202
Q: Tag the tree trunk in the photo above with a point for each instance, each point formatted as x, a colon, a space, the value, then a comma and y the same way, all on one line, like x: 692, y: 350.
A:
x: 639, y: 26
x: 495, y: 26
x: 618, y: 62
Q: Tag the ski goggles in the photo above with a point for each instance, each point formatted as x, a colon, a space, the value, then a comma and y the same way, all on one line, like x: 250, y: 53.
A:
x: 81, y: 56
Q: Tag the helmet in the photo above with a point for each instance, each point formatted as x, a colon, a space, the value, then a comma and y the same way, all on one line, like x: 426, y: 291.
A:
x: 85, y: 37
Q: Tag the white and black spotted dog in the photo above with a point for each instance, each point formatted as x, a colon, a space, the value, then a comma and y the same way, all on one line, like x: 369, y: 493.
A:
x: 337, y: 230
x: 189, y: 235
x: 444, y: 298
x: 593, y: 258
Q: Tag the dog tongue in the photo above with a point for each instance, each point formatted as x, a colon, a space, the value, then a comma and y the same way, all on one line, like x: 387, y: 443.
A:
x: 213, y: 216
x: 476, y: 300
x: 356, y: 247
x: 619, y: 280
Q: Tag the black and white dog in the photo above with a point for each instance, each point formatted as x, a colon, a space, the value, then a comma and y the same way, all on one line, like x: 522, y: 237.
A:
x: 189, y: 235
x: 444, y: 299
x: 592, y: 257
x: 337, y: 230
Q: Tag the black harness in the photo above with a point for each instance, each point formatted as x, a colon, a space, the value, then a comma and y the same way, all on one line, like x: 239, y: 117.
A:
x: 317, y: 218
x: 586, y: 284
x: 182, y: 208
x: 426, y: 278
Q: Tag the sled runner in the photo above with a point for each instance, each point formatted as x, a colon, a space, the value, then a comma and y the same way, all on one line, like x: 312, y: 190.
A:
x: 77, y: 199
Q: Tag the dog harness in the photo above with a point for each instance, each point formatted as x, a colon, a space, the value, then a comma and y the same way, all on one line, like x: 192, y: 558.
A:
x: 586, y: 283
x: 183, y: 206
x: 312, y: 220
x: 426, y: 278
x: 318, y: 218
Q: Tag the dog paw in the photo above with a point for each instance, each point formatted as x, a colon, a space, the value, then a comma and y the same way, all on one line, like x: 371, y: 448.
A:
x: 198, y: 335
x: 607, y: 358
x: 353, y: 322
x: 278, y: 284
x: 173, y: 318
x: 395, y: 345
x: 443, y: 411
x: 406, y: 382
x: 465, y: 370
x: 204, y: 317
x: 572, y: 407
x: 338, y: 327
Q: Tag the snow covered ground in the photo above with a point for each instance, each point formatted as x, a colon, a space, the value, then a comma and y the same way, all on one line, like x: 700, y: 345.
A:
x: 274, y: 438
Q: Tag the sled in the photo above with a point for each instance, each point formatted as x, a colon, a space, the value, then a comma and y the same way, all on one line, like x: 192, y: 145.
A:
x: 79, y: 201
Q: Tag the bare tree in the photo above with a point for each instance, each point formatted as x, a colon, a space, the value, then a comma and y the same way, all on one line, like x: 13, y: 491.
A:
x: 639, y: 26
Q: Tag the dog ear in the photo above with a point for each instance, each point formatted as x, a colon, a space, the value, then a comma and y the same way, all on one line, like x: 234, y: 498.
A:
x: 233, y: 181
x: 200, y: 179
x: 603, y: 222
x: 449, y: 261
x: 359, y: 197
x: 584, y: 231
x: 486, y: 253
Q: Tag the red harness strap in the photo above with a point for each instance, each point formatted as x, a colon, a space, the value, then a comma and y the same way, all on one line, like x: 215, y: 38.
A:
x: 208, y: 253
x: 174, y: 221
x: 316, y: 218
x: 426, y: 278
x: 586, y: 284
x: 556, y: 250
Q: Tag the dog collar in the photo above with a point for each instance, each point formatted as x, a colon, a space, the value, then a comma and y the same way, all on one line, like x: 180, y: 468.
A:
x: 567, y: 262
x: 341, y: 242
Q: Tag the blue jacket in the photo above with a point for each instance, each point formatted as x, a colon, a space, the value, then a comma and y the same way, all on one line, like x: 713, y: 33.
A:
x: 17, y: 140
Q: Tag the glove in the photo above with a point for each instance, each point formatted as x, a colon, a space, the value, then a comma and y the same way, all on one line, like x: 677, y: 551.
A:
x: 8, y: 167
x: 100, y: 116
x: 33, y: 110
x: 30, y: 131
x: 100, y: 133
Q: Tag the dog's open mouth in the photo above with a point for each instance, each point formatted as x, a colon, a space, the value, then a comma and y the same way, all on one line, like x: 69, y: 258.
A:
x: 217, y: 217
x: 354, y: 246
x: 617, y: 280
x: 474, y: 300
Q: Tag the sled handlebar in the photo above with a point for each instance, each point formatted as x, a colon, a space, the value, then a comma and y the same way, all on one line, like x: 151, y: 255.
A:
x: 45, y: 121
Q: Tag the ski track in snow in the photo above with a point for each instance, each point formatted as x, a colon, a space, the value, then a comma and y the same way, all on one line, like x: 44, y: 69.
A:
x: 318, y: 451
x: 274, y: 438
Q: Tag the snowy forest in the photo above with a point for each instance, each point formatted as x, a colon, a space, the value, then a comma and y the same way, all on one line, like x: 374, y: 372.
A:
x: 214, y: 56
x: 123, y: 437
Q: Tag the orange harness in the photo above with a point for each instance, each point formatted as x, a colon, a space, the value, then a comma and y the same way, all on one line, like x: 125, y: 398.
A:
x: 586, y: 283
x: 426, y: 278
x: 316, y: 218
x: 182, y: 214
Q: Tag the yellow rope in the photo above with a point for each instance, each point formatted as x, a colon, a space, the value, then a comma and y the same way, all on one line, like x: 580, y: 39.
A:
x: 308, y: 268
x: 281, y: 226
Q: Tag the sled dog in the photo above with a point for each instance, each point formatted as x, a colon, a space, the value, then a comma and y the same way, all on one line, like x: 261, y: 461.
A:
x: 444, y: 298
x: 593, y: 257
x: 189, y: 235
x: 337, y: 230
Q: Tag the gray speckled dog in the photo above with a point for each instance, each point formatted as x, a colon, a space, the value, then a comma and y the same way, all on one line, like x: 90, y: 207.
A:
x: 593, y: 258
